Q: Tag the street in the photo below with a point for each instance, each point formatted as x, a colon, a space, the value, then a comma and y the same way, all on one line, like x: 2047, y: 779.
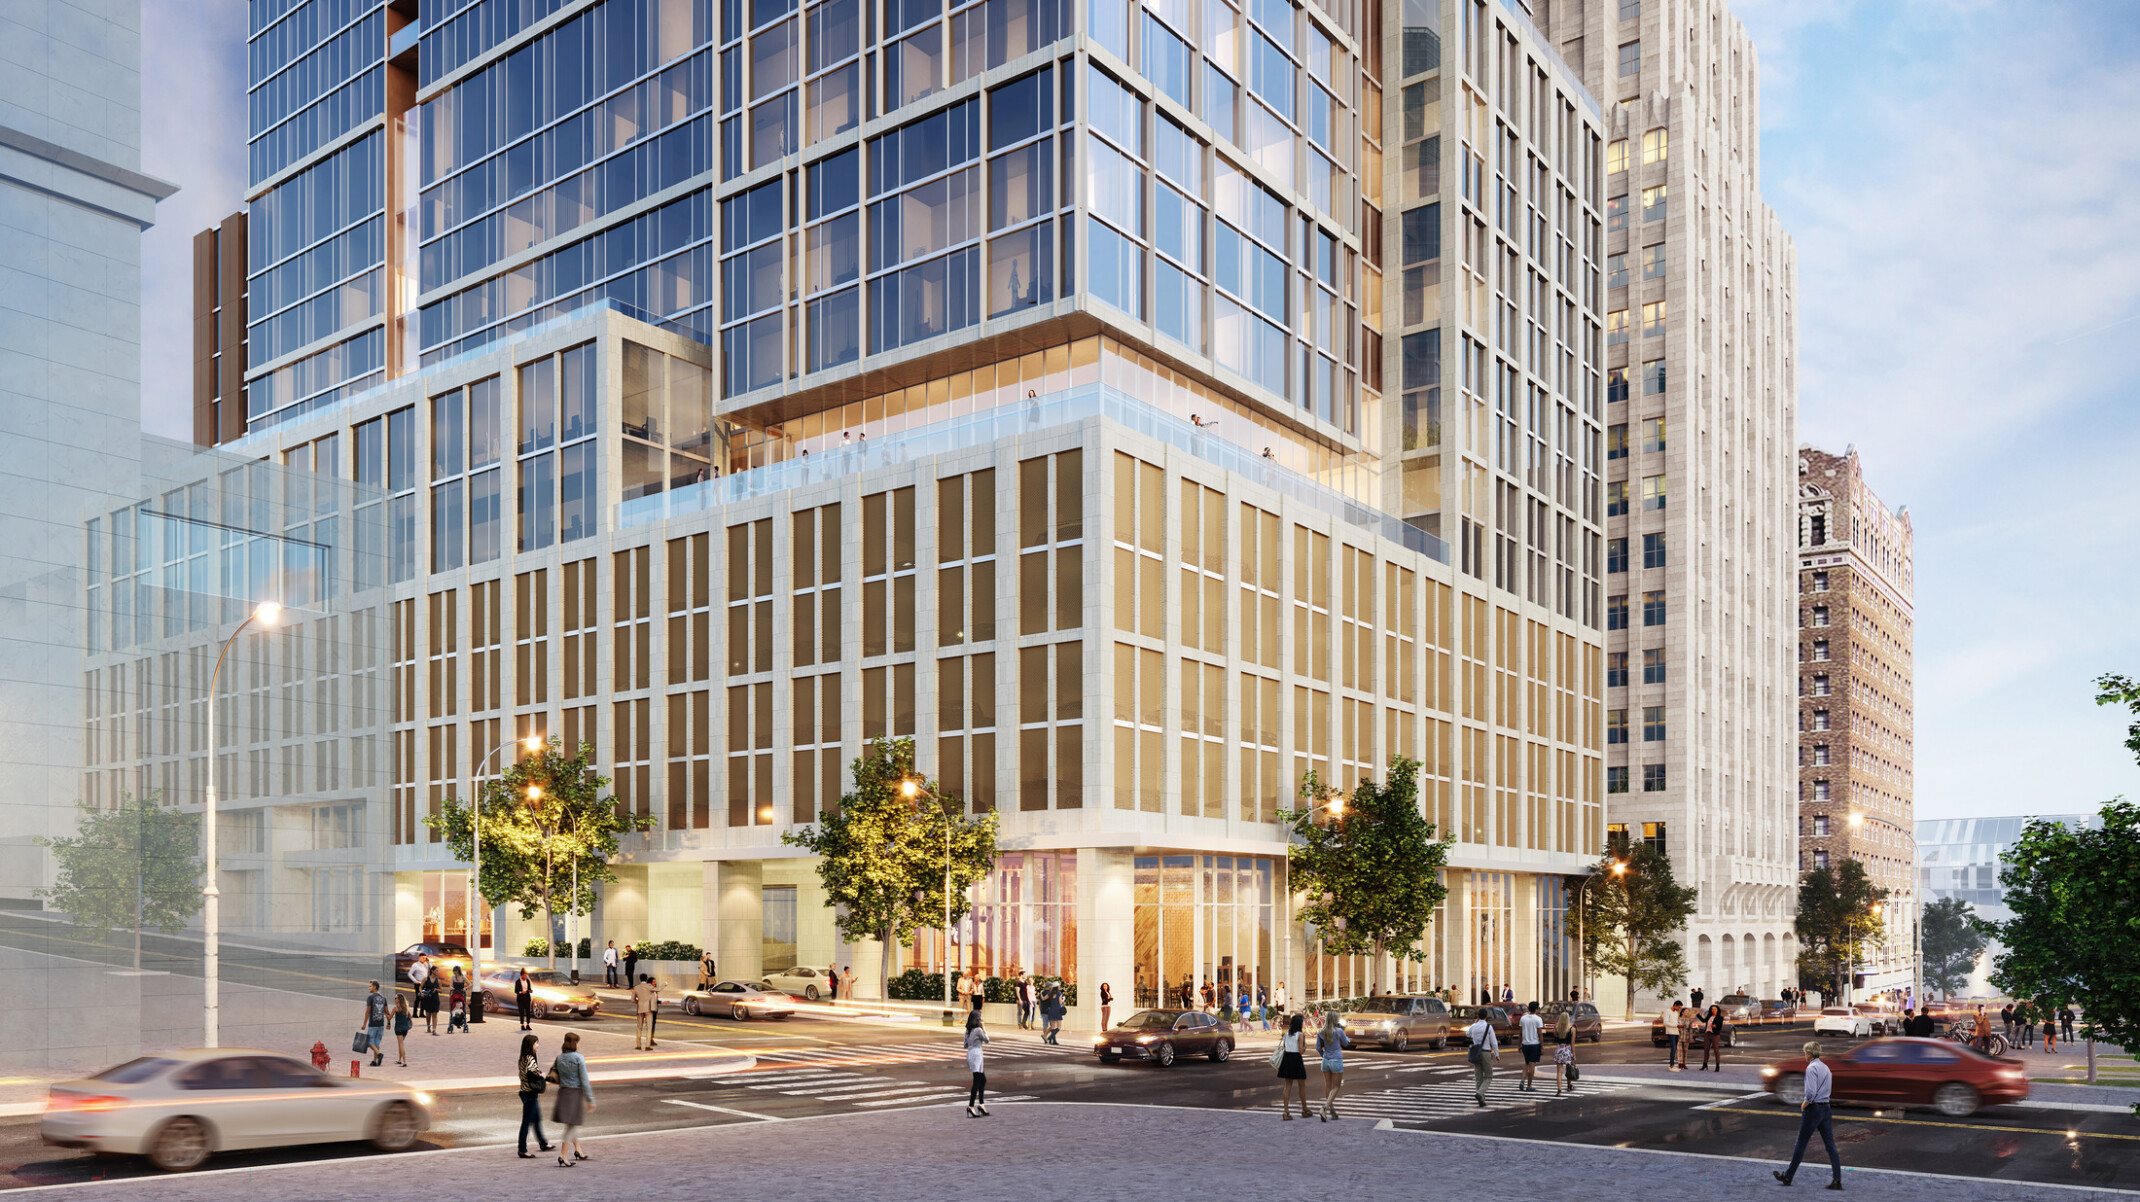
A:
x: 819, y: 1068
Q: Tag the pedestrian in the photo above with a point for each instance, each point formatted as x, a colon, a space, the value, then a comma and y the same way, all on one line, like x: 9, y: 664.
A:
x: 1330, y: 1044
x: 653, y: 1007
x: 1508, y: 995
x: 1530, y: 1040
x: 832, y: 983
x: 1564, y: 1074
x: 2065, y: 1022
x: 1291, y: 1067
x: 1695, y: 999
x: 1211, y: 997
x: 965, y: 991
x: 1690, y: 1029
x: 1243, y: 1005
x: 631, y: 964
x: 1279, y: 1001
x: 976, y: 1039
x: 609, y: 964
x: 2025, y: 1020
x: 1485, y: 1050
x: 1107, y: 1005
x: 708, y: 972
x: 418, y: 971
x: 575, y: 1097
x: 427, y: 1001
x: 524, y: 998
x: 531, y: 1086
x: 1668, y: 1019
x: 375, y: 1024
x: 401, y: 1031
x: 457, y: 1006
x: 1718, y: 1030
x: 1025, y: 1001
x: 641, y: 1040
x: 2050, y: 1030
x: 1056, y: 1013
x: 849, y: 981
x: 1263, y: 1005
x: 1815, y: 1114
x: 2006, y: 1021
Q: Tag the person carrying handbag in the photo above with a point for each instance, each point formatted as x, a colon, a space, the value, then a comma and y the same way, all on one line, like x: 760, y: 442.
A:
x: 532, y: 1084
x: 1287, y: 1060
x: 1485, y: 1050
x: 575, y: 1097
x: 1565, y: 1073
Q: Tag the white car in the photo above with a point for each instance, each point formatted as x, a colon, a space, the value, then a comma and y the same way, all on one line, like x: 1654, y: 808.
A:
x: 1840, y: 1020
x: 179, y: 1108
x: 808, y: 983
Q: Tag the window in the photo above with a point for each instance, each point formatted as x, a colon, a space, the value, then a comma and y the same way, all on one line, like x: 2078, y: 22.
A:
x: 1139, y: 727
x: 1616, y: 498
x: 1616, y: 156
x: 1630, y: 59
x: 1653, y: 608
x: 1821, y: 687
x: 557, y: 486
x: 1653, y: 262
x: 1616, y: 271
x: 1051, y: 531
x: 1820, y: 791
x: 1615, y: 555
x: 1630, y: 9
x: 467, y: 476
x: 1653, y: 436
x: 966, y: 728
x: 1655, y: 318
x: 888, y: 575
x: 1654, y: 148
x: 832, y: 258
x: 1653, y: 782
x: 1820, y: 859
x: 1616, y: 726
x: 1653, y: 550
x: 925, y: 222
x: 966, y: 554
x: 1615, y: 384
x: 1052, y: 713
x: 1653, y: 377
x: 1653, y: 833
x: 749, y: 612
x: 1820, y: 650
x: 1653, y: 724
x: 1653, y: 666
x: 1821, y: 755
x: 1820, y: 615
x: 1021, y: 189
x: 1820, y: 582
x: 1653, y: 492
x: 1616, y: 326
x: 1616, y: 669
x: 1616, y: 213
x: 814, y: 613
x: 667, y: 427
x: 1654, y: 202
x: 1616, y: 613
x: 1616, y: 780
x: 1820, y: 826
x: 1820, y: 719
x: 1616, y: 441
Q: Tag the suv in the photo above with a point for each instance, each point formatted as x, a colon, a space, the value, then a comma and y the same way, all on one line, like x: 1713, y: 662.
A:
x: 1398, y: 1021
x: 1461, y: 1018
x: 1589, y: 1024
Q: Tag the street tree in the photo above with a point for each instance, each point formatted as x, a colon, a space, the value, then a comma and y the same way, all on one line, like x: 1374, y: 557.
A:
x: 1369, y: 869
x: 1951, y: 944
x: 2071, y: 940
x: 2113, y: 689
x: 547, y: 826
x: 1631, y: 918
x: 131, y: 868
x: 883, y: 852
x: 1838, y: 921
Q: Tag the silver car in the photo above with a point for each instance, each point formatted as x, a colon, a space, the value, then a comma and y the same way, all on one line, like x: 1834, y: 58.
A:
x: 1399, y: 1022
x: 179, y: 1108
x: 739, y: 1000
x: 555, y: 996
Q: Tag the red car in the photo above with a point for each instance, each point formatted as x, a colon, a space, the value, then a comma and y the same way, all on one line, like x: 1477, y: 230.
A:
x: 1908, y: 1072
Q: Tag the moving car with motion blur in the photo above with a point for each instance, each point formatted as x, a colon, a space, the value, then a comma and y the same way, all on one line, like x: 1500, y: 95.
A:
x: 555, y: 994
x: 1908, y: 1072
x: 443, y: 957
x: 1399, y: 1022
x: 1163, y: 1037
x: 1842, y: 1020
x: 1776, y: 1010
x: 179, y: 1108
x: 804, y: 982
x: 738, y: 1000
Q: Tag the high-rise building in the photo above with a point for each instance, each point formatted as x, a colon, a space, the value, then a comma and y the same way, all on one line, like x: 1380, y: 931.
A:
x: 1856, y: 695
x: 219, y: 340
x: 1701, y: 387
x: 754, y: 381
x: 1963, y: 857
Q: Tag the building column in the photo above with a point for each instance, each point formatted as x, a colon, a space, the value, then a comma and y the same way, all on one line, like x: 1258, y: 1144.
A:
x: 732, y: 898
x: 1106, y: 933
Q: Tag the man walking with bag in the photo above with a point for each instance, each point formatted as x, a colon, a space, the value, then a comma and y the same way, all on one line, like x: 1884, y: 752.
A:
x: 1485, y: 1050
x: 1815, y: 1114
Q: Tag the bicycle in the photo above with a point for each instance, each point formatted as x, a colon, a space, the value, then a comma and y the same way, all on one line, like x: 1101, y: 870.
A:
x: 1992, y: 1044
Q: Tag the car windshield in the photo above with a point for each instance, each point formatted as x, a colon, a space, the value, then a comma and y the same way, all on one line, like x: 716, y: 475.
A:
x: 1837, y: 1011
x: 547, y: 977
x: 1387, y: 1005
x: 1151, y: 1019
x: 134, y: 1071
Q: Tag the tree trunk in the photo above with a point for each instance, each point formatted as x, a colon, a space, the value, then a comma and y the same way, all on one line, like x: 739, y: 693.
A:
x: 1374, y: 973
x: 884, y: 963
x: 549, y: 904
x: 1631, y: 978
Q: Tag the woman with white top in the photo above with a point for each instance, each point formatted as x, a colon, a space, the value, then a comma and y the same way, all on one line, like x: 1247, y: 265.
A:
x: 976, y: 1039
x: 1291, y: 1067
x: 575, y: 1097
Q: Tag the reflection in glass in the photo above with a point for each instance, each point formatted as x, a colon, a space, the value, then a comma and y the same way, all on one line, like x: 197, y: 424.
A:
x: 914, y: 67
x: 1020, y: 184
x: 1019, y: 272
x: 538, y: 405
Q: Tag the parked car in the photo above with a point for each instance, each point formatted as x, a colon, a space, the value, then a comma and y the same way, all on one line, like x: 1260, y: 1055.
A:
x: 1740, y: 1008
x: 443, y: 957
x: 1398, y: 1022
x: 739, y: 1000
x: 1776, y: 1010
x: 179, y: 1108
x: 1884, y: 1020
x: 1908, y: 1072
x: 806, y: 983
x: 1589, y: 1024
x: 1164, y: 1036
x: 1461, y: 1018
x: 555, y: 994
x: 1842, y: 1020
x: 1731, y: 1030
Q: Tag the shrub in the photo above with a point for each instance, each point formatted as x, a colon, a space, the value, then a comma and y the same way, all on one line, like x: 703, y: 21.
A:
x: 914, y: 985
x: 538, y: 946
x: 667, y: 949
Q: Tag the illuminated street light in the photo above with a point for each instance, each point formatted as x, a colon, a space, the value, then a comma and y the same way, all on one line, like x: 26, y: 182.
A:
x: 266, y: 614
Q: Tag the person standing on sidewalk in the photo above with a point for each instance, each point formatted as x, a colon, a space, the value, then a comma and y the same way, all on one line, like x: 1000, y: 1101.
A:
x: 1530, y: 1040
x: 575, y: 1097
x: 2050, y: 1029
x: 1485, y: 1050
x: 531, y: 1086
x: 2006, y: 1021
x: 631, y: 964
x: 1279, y: 1001
x: 402, y: 1023
x: 1291, y: 1067
x: 832, y: 983
x: 976, y: 1040
x: 1330, y: 1044
x: 639, y: 995
x: 427, y: 1001
x: 609, y: 964
x: 653, y: 1007
x: 1695, y: 999
x: 1107, y: 1004
x: 2065, y: 1021
x: 965, y: 992
x: 1715, y: 1030
x: 1564, y: 1055
x: 375, y: 1024
x: 1025, y: 1001
x: 1815, y: 1114
x: 1690, y: 1029
x: 524, y: 999
x: 1263, y: 1005
x: 1668, y: 1018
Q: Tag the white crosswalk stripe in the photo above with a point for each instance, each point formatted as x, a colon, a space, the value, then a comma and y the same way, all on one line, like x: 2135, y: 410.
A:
x: 855, y: 1088
x: 908, y: 1053
x: 1447, y: 1099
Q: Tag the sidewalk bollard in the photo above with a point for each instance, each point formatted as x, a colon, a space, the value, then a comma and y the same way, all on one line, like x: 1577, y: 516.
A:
x: 353, y: 1068
x: 947, y: 1018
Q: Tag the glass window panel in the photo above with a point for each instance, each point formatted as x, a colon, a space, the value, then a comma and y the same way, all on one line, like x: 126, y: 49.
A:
x: 914, y: 67
x: 772, y: 130
x: 1021, y: 184
x: 835, y: 32
x: 835, y: 102
x: 772, y: 59
x: 538, y: 405
x: 576, y: 393
x: 484, y: 499
x: 1020, y: 109
x: 484, y: 441
x: 447, y: 526
x: 1020, y: 269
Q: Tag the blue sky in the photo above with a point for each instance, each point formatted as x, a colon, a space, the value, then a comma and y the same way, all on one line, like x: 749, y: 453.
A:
x: 1963, y: 180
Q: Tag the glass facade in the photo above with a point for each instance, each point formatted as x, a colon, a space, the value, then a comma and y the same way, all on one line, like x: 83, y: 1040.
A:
x: 1202, y: 920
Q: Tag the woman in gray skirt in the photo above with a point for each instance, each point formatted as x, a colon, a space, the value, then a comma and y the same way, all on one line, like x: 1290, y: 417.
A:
x: 575, y: 1097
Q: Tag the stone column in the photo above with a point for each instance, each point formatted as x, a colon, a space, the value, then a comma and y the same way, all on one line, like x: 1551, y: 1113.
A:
x: 1106, y: 933
x: 732, y: 898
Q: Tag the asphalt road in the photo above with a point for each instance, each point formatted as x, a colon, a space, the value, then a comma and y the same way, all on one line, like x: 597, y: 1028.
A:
x: 808, y: 1068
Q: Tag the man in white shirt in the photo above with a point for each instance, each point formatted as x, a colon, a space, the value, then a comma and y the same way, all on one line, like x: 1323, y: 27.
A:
x: 1669, y: 1016
x: 1530, y: 1040
x: 1485, y: 1050
x: 1815, y: 1114
x: 418, y: 971
x: 1278, y: 998
x: 609, y: 964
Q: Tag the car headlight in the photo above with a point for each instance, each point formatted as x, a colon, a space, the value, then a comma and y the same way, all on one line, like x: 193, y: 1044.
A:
x: 1098, y: 1039
x: 424, y: 1099
x: 1768, y: 1072
x: 1146, y: 1038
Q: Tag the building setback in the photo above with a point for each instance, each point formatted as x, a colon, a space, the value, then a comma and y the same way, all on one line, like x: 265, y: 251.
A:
x: 1016, y: 378
x: 1702, y: 397
x: 1856, y: 695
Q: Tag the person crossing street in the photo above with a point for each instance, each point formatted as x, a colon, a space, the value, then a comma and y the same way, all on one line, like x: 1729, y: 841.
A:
x: 1485, y: 1050
x: 1815, y: 1114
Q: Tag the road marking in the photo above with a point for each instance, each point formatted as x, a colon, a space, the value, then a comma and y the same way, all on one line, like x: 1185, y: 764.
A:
x: 1876, y: 1118
x: 1723, y: 1102
x: 1439, y: 1100
x: 946, y: 1098
x: 764, y: 1118
x: 883, y: 1093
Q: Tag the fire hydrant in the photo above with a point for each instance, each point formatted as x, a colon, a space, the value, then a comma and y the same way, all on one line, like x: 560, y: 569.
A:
x: 320, y: 1057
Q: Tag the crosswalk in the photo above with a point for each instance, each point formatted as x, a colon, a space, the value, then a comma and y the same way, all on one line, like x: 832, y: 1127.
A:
x: 1453, y: 1098
x: 908, y: 1053
x: 837, y: 1086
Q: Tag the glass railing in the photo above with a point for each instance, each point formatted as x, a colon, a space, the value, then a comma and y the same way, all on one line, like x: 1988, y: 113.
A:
x: 1024, y: 418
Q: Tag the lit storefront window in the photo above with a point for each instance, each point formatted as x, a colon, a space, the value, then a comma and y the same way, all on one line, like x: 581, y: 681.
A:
x: 1203, y: 919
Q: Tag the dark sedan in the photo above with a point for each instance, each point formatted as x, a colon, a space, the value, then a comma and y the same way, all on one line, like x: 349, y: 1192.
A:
x: 1908, y: 1072
x: 1589, y: 1024
x: 443, y: 957
x: 1164, y: 1036
x: 1461, y: 1018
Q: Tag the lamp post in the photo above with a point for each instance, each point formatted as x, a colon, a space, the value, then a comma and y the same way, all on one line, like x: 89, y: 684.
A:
x: 267, y: 613
x: 912, y: 789
x: 1333, y: 801
x: 1582, y: 944
x: 533, y: 743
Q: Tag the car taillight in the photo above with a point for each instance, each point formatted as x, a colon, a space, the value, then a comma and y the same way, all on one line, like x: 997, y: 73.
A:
x: 75, y: 1101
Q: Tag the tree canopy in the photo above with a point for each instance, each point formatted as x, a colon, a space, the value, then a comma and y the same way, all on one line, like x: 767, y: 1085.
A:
x: 132, y: 868
x: 1630, y: 919
x: 1838, y: 921
x: 883, y: 852
x: 1371, y: 869
x: 1951, y: 944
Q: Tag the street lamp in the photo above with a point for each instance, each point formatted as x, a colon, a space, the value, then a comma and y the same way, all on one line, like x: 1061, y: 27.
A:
x: 267, y: 614
x: 1582, y: 945
x: 911, y: 790
x: 532, y: 743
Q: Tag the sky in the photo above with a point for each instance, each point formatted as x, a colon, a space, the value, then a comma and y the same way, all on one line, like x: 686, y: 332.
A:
x: 1962, y: 178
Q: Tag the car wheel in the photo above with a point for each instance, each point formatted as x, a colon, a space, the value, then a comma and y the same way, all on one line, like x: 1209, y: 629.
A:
x: 1222, y: 1051
x: 1955, y: 1100
x: 1110, y: 1058
x: 538, y: 1010
x: 809, y: 993
x: 1791, y: 1089
x: 742, y: 1014
x: 1400, y: 1042
x: 396, y: 1128
x: 1442, y: 1044
x: 691, y: 1006
x: 182, y: 1144
x: 1163, y: 1055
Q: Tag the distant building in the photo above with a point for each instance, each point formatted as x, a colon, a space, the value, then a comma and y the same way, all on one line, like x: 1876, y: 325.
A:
x: 1962, y: 857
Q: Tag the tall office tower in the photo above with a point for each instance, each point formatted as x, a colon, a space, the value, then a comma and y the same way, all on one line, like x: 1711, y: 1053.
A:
x: 1011, y: 376
x: 1702, y: 393
x: 1856, y: 689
